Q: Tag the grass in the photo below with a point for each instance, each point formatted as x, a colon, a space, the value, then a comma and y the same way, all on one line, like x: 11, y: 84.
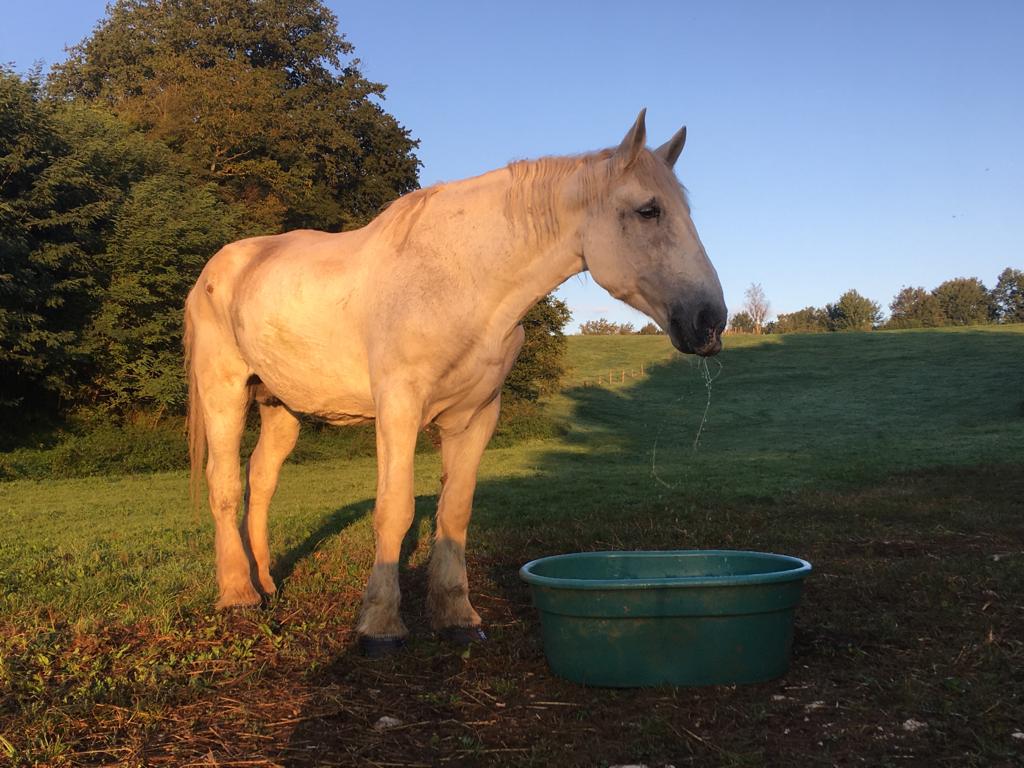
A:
x: 890, y: 460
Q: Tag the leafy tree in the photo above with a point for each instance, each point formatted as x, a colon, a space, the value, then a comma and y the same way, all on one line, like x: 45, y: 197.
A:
x: 599, y: 327
x: 626, y: 329
x: 915, y: 308
x: 541, y: 361
x: 853, y: 312
x: 261, y: 97
x: 742, y: 322
x: 64, y: 170
x: 756, y: 306
x: 806, y: 320
x: 1008, y: 296
x: 651, y: 329
x: 164, y: 234
x: 965, y: 301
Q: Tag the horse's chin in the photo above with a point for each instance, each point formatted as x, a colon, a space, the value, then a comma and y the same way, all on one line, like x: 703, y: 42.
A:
x: 711, y: 348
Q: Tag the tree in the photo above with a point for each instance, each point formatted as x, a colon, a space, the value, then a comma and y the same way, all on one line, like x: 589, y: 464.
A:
x: 64, y: 171
x: 260, y: 97
x: 540, y: 364
x: 626, y: 329
x: 915, y: 308
x: 742, y: 322
x: 756, y: 306
x: 163, y: 235
x: 1008, y: 296
x: 853, y: 312
x: 650, y: 329
x: 806, y: 320
x: 599, y: 327
x: 965, y: 301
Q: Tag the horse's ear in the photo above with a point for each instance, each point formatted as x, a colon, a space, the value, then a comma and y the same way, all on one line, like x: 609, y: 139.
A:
x: 671, y: 149
x: 631, y: 146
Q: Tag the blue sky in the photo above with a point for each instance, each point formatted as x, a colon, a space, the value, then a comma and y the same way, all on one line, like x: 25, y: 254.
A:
x: 865, y: 145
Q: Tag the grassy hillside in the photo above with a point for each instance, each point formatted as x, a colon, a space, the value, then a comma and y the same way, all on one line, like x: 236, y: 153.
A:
x: 892, y: 460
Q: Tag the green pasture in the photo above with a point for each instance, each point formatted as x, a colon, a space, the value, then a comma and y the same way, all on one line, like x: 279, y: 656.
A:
x: 829, y: 446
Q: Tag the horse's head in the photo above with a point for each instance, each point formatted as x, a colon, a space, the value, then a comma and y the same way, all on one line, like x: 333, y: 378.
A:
x: 640, y: 244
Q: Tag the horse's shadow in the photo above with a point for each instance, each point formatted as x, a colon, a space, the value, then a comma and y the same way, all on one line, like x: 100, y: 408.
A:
x: 337, y: 521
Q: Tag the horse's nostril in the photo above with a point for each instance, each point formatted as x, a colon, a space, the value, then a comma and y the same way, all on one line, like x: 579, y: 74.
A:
x: 707, y: 322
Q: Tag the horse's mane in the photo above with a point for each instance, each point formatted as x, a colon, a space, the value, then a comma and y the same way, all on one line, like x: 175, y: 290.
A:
x: 401, y: 214
x: 541, y: 189
x: 540, y: 192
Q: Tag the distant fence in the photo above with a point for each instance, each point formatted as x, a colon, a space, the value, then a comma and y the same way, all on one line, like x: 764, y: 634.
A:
x: 614, y: 376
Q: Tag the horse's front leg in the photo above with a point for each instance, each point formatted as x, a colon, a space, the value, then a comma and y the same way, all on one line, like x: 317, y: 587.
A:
x: 398, y: 421
x: 448, y: 596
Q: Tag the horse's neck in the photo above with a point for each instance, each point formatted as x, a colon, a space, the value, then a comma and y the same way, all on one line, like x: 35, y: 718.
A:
x: 511, y: 267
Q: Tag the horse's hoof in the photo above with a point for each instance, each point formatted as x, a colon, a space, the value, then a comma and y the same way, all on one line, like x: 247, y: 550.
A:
x: 375, y: 646
x: 239, y: 597
x: 463, y: 635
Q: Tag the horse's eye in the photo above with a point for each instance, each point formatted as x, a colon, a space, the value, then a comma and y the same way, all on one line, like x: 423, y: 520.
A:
x: 649, y: 211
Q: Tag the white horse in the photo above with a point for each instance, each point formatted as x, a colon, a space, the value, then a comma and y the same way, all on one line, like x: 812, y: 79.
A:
x: 412, y: 320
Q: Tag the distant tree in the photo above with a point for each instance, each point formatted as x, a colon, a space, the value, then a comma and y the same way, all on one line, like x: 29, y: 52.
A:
x: 915, y: 308
x: 1008, y: 296
x: 806, y: 320
x: 853, y: 312
x: 541, y: 361
x: 756, y: 306
x: 599, y: 327
x: 965, y: 301
x: 742, y: 322
x: 260, y: 97
x: 650, y: 329
x: 626, y: 329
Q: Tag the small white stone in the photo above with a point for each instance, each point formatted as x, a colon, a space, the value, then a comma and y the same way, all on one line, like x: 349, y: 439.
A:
x: 386, y: 722
x: 1017, y: 735
x: 779, y: 697
x: 910, y: 725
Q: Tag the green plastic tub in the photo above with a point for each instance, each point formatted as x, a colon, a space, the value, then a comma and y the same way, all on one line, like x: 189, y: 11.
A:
x: 697, y: 617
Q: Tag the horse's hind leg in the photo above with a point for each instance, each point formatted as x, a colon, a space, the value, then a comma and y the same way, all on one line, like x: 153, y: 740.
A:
x: 225, y: 401
x: 448, y: 596
x: 279, y: 429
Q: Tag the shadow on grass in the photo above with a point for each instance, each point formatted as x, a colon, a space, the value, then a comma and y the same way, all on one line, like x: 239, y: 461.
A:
x: 799, y: 431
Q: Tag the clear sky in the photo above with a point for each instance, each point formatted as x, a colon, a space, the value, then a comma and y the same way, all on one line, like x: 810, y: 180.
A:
x: 831, y: 145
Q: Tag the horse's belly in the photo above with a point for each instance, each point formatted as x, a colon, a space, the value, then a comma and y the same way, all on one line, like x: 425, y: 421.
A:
x: 310, y: 375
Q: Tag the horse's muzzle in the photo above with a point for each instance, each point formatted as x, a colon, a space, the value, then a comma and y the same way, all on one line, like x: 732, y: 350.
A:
x: 697, y: 333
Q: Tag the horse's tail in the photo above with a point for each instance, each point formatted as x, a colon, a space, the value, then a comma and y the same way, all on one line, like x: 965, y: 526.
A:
x: 195, y: 425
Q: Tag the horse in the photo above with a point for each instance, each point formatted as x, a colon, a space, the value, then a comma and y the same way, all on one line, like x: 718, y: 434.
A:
x: 412, y: 320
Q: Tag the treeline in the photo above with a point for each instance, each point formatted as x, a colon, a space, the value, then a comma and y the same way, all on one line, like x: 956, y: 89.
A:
x: 960, y: 301
x: 604, y: 327
x: 172, y: 130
